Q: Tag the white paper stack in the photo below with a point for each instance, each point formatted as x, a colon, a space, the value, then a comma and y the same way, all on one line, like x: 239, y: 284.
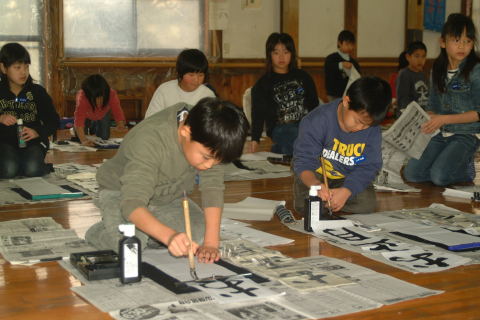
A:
x: 251, y: 209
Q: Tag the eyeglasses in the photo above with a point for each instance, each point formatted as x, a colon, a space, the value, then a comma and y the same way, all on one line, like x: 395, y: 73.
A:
x: 458, y: 42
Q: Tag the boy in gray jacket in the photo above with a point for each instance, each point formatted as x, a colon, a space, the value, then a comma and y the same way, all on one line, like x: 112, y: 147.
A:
x: 158, y: 159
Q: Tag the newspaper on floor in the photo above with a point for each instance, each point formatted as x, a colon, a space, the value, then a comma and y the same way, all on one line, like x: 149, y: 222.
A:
x: 65, y: 169
x: 364, y: 290
x: 109, y: 295
x: 32, y: 225
x: 261, y: 169
x: 328, y: 302
x: 70, y: 146
x: 86, y: 180
x: 81, y: 175
x: 276, y: 266
x: 402, y: 141
x: 370, y: 284
x: 30, y: 241
x: 265, y: 310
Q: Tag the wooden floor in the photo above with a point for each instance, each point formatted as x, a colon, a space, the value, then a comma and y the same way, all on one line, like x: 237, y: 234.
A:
x: 43, y: 291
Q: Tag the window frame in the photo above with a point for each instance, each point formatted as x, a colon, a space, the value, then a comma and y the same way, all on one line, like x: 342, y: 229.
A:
x: 39, y: 39
x: 163, y: 55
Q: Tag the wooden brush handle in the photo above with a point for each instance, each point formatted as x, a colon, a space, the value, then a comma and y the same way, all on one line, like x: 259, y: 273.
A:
x: 188, y: 231
x: 325, y: 180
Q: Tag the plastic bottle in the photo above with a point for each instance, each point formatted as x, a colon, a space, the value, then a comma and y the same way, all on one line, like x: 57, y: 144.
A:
x: 130, y: 255
x: 313, y: 205
x: 21, y: 143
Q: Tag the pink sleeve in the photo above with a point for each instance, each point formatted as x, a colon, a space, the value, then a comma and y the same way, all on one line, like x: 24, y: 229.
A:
x: 114, y: 103
x: 80, y: 109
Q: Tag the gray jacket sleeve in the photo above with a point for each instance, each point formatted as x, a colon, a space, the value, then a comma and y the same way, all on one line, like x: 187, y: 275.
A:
x: 212, y: 186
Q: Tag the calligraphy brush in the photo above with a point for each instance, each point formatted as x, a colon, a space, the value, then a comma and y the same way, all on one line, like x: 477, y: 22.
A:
x: 325, y: 181
x: 188, y: 230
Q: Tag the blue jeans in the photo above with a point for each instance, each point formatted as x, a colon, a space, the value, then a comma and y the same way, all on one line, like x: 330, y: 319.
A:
x: 283, y: 137
x: 29, y: 161
x: 100, y: 128
x: 445, y: 161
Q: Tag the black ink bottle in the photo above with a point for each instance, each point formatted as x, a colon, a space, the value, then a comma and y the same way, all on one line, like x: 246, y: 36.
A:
x: 130, y: 255
x: 313, y: 205
x: 21, y: 143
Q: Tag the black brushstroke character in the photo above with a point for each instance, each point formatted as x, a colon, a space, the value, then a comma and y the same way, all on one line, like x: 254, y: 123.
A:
x: 349, y: 235
x: 382, y: 244
x: 233, y: 284
x: 425, y: 257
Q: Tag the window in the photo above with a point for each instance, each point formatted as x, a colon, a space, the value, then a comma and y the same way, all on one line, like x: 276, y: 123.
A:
x: 119, y: 28
x: 20, y: 21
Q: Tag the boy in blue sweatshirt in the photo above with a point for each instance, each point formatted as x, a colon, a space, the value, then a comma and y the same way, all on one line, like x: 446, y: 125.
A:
x: 346, y: 134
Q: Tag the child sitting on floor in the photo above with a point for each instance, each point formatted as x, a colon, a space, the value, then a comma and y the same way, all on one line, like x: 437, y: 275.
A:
x: 95, y: 105
x: 192, y: 71
x: 20, y: 98
x: 157, y: 161
x: 346, y: 134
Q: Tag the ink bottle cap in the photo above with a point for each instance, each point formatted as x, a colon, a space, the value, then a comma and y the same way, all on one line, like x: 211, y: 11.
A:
x: 476, y: 196
x: 314, y: 191
x: 128, y: 230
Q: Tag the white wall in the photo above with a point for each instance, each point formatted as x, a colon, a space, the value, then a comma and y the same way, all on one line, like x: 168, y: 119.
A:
x: 248, y: 28
x: 320, y: 21
x: 431, y: 38
x: 381, y: 25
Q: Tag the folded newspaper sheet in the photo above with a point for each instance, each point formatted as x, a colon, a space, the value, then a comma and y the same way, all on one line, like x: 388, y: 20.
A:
x: 403, y: 140
x: 29, y: 241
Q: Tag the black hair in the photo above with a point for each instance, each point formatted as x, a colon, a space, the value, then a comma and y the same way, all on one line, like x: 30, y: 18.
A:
x: 372, y: 95
x: 12, y: 53
x: 191, y: 60
x: 346, y: 36
x: 414, y: 46
x: 285, y: 39
x: 454, y: 27
x: 402, y: 60
x: 220, y: 126
x: 95, y: 86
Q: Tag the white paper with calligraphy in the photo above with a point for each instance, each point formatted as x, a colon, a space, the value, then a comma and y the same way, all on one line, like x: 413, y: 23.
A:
x: 374, y: 244
x: 179, y: 267
x: 419, y: 260
x: 234, y: 289
x: 400, y: 254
